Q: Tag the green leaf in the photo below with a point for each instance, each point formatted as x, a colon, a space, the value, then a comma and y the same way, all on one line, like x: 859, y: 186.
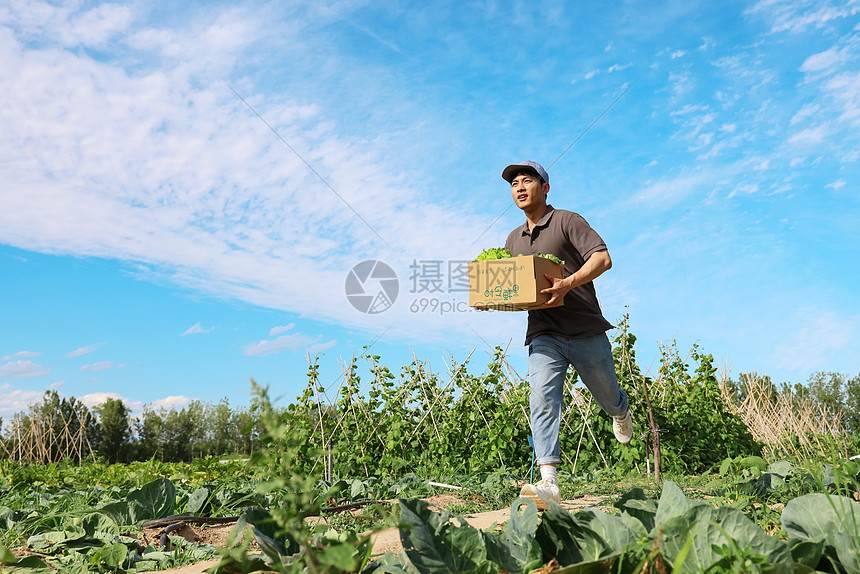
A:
x: 46, y: 541
x: 672, y: 504
x: 112, y: 555
x: 615, y: 531
x: 23, y: 565
x: 847, y: 552
x: 388, y: 563
x: 274, y: 542
x: 197, y: 500
x: 125, y: 513
x: 807, y: 552
x: 563, y: 537
x: 517, y: 550
x: 835, y: 519
x: 635, y: 504
x: 681, y: 558
x: 602, y: 566
x: 493, y: 253
x: 781, y: 467
x: 97, y: 521
x: 715, y: 528
x: 341, y: 556
x: 756, y: 462
x: 435, y: 545
x: 157, y: 498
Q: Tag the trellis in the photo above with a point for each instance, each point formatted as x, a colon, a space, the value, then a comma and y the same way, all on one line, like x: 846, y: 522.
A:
x: 576, y: 416
x: 34, y: 439
x: 789, y: 425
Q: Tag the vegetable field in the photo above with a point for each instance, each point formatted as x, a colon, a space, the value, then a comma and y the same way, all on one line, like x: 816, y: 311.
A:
x: 755, y: 478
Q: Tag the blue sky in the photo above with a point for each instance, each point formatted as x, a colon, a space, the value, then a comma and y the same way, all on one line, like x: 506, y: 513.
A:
x: 160, y: 243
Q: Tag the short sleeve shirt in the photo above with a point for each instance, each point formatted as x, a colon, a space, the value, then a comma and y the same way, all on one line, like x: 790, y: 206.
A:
x: 569, y: 237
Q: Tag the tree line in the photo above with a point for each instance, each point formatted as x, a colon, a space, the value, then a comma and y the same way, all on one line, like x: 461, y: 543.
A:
x: 60, y: 427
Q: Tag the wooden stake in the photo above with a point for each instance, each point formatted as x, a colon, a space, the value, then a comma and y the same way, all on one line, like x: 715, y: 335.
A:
x: 654, y: 432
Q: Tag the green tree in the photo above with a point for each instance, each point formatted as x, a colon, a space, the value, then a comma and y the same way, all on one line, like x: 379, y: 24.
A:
x: 222, y: 428
x: 826, y: 389
x: 852, y: 404
x: 150, y: 431
x: 115, y: 436
x: 183, y: 433
x: 247, y: 430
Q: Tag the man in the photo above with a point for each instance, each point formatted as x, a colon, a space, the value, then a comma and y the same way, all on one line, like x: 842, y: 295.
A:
x: 573, y: 334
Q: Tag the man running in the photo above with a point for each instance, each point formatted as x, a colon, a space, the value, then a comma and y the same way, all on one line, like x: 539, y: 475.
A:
x: 573, y: 334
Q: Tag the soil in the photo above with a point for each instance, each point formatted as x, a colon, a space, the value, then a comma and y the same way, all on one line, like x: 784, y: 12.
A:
x: 214, y: 534
x: 383, y: 541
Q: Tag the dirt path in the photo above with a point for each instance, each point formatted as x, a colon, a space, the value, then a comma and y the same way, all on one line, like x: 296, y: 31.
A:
x: 383, y: 541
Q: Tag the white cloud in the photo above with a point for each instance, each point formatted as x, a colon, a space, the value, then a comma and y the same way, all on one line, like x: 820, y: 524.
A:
x: 805, y: 112
x: 16, y: 400
x: 84, y: 350
x: 838, y: 184
x: 810, y: 136
x: 282, y: 343
x: 21, y: 355
x: 91, y: 400
x: 95, y: 27
x: 23, y: 370
x: 798, y: 15
x: 164, y: 167
x: 748, y: 189
x: 845, y: 89
x: 100, y: 366
x: 681, y: 83
x: 677, y: 54
x: 617, y: 68
x: 280, y: 329
x: 196, y: 329
x: 827, y: 60
x: 671, y: 191
x: 171, y: 402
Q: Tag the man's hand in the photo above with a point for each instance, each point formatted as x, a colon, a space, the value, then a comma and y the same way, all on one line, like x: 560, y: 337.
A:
x: 594, y: 267
x: 559, y: 288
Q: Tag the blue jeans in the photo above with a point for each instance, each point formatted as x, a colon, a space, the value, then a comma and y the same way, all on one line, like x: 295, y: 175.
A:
x: 549, y: 357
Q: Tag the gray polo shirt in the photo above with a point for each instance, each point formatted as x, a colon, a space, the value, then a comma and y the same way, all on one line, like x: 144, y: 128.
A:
x: 569, y: 237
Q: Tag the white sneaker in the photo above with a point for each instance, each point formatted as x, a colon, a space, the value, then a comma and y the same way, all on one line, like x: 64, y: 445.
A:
x: 541, y: 493
x: 623, y: 427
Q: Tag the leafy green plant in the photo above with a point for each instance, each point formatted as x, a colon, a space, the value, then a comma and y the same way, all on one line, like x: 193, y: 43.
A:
x: 676, y: 533
x: 551, y: 257
x: 493, y: 253
x: 285, y: 538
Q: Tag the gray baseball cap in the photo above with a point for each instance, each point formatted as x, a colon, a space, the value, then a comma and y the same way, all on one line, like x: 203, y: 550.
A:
x: 512, y: 170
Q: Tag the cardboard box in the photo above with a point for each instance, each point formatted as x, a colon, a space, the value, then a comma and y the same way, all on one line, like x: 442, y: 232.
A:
x: 512, y: 284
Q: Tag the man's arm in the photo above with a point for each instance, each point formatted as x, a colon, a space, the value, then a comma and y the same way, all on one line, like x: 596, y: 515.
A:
x: 594, y: 267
